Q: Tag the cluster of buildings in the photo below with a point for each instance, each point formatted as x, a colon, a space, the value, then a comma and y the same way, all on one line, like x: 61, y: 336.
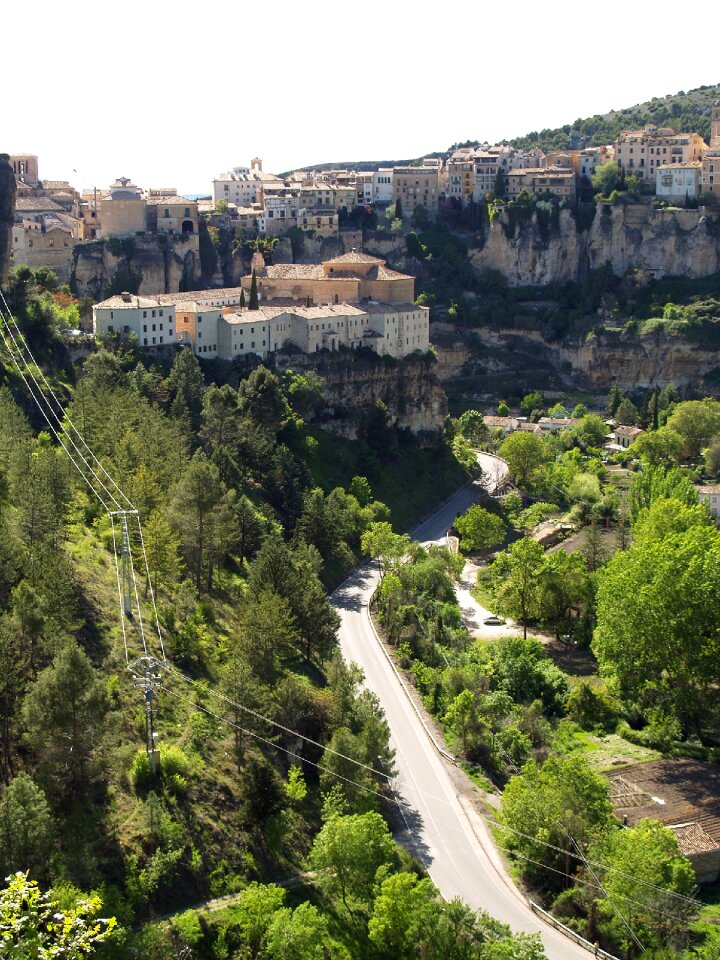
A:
x: 677, y: 165
x: 314, y: 200
x: 618, y: 438
x: 351, y: 301
x: 51, y: 216
x: 680, y: 165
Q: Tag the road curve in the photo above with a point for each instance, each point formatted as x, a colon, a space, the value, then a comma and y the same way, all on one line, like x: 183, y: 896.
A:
x: 443, y: 831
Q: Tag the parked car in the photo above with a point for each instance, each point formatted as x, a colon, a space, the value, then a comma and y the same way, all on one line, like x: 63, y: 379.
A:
x: 493, y: 621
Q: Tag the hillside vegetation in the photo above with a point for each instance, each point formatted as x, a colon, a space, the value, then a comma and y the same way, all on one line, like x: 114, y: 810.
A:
x: 271, y: 788
x: 685, y: 112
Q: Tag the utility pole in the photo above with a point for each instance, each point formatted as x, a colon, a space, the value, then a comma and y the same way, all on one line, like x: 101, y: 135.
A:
x: 148, y: 678
x: 126, y: 576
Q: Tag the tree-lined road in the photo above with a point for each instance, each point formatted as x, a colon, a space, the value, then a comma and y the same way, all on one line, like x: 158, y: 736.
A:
x: 445, y: 833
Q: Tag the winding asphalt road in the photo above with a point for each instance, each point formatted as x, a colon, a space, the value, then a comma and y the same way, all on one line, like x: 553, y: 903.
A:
x: 443, y: 830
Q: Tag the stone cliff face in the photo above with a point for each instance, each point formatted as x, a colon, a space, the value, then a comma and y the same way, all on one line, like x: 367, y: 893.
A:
x: 661, y: 241
x: 645, y: 360
x: 154, y: 263
x: 7, y: 214
x: 409, y: 388
x: 595, y: 362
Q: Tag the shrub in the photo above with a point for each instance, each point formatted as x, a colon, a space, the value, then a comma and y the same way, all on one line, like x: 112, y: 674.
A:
x: 140, y: 773
x: 592, y: 708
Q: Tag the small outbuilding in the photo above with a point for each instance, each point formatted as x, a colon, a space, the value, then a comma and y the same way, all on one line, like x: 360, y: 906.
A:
x: 684, y: 795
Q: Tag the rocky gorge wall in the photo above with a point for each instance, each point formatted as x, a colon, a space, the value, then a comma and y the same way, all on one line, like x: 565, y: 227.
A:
x: 409, y: 388
x: 643, y: 360
x: 598, y: 359
x: 662, y: 241
x: 151, y: 264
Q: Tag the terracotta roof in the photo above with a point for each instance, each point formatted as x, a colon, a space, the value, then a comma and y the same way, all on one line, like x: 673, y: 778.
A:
x: 314, y: 271
x: 559, y: 421
x: 167, y: 200
x: 673, y: 791
x: 493, y: 421
x: 709, y: 489
x: 134, y: 302
x: 355, y: 257
x: 198, y: 296
x: 309, y: 313
x: 692, y: 839
x: 40, y: 204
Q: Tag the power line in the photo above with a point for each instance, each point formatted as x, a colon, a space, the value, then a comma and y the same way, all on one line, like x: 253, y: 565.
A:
x: 379, y: 773
x: 280, y: 726
x: 58, y: 403
x: 291, y: 753
x: 403, y: 803
x: 17, y: 352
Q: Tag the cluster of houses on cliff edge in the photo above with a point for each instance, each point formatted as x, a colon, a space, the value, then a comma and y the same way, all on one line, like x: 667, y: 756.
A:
x: 51, y: 216
x: 351, y: 301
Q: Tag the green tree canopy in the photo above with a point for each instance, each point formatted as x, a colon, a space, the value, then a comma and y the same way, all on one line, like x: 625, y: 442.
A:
x: 697, y: 422
x: 24, y: 826
x: 658, y: 606
x: 655, y: 483
x: 607, y: 177
x: 660, y: 447
x: 525, y: 454
x: 480, y: 529
x: 641, y: 863
x: 64, y: 713
x: 347, y: 854
x: 627, y: 412
x: 33, y: 927
x: 551, y: 803
x: 517, y: 574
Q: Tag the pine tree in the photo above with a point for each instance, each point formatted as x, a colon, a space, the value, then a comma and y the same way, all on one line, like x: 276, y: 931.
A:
x: 24, y: 826
x: 242, y: 299
x: 63, y: 714
x: 654, y: 409
x: 499, y: 187
x: 398, y: 209
x: 254, y: 301
x: 614, y: 400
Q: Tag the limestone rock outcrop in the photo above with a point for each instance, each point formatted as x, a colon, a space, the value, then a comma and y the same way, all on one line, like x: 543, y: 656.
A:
x: 662, y: 241
x: 152, y: 264
x: 409, y: 388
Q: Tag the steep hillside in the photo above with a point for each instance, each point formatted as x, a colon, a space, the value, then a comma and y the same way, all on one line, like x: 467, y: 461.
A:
x: 687, y: 112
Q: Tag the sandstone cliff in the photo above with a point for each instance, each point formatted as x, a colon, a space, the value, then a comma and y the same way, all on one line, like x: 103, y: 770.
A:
x: 661, y: 241
x: 409, y: 388
x: 149, y: 264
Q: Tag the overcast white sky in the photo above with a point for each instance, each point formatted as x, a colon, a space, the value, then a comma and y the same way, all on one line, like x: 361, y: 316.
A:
x: 173, y: 94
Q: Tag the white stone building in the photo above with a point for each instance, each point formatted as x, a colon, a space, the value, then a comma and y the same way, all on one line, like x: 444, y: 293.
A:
x: 382, y: 186
x: 152, y: 322
x: 676, y: 182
